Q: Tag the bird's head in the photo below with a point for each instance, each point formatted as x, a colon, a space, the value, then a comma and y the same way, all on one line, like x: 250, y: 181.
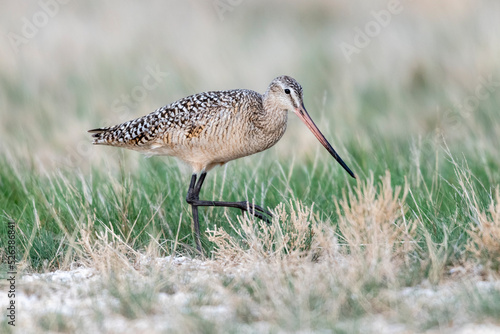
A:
x: 285, y: 93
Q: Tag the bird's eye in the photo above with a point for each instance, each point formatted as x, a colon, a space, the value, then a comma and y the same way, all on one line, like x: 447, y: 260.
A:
x: 287, y: 91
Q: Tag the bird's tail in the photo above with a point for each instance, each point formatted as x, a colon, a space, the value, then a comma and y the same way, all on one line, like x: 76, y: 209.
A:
x: 105, y: 136
x: 137, y: 132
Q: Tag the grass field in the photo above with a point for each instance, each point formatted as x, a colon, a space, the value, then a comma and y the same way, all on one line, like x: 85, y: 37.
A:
x: 104, y: 240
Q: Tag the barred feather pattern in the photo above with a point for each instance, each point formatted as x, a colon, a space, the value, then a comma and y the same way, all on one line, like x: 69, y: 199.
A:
x: 208, y: 129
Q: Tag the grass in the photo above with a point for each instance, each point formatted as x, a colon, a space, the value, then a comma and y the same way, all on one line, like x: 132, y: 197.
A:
x: 333, y: 253
x: 338, y: 249
x: 52, y: 210
x: 410, y: 245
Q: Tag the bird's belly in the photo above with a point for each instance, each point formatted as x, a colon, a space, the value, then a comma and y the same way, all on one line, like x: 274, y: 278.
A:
x: 202, y: 155
x: 214, y: 146
x: 206, y: 157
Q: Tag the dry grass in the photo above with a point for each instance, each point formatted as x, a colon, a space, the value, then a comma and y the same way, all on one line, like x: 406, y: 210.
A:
x: 484, y: 243
x: 373, y: 225
x: 294, y: 235
x: 302, y: 269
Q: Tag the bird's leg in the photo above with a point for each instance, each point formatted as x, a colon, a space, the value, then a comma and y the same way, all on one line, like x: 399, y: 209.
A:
x: 193, y: 199
x: 251, y: 208
x: 192, y: 196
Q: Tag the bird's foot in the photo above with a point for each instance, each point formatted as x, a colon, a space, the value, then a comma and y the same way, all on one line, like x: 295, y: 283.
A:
x: 251, y: 208
x: 257, y: 211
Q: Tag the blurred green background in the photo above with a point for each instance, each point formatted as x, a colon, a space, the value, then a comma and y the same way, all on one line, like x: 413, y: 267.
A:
x: 69, y: 67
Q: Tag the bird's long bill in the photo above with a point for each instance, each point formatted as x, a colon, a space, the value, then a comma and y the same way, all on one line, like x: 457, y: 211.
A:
x: 304, y: 116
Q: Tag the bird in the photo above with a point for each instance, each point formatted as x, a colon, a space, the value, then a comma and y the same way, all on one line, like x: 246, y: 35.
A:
x: 209, y: 129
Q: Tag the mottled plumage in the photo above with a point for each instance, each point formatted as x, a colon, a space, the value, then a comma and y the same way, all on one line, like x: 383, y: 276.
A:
x: 203, y: 130
x: 212, y: 128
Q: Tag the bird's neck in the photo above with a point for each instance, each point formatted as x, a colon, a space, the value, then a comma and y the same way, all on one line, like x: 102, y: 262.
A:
x: 272, y: 108
x: 273, y: 118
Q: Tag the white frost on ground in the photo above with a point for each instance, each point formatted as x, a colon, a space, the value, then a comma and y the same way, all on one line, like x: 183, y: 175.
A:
x: 77, y: 296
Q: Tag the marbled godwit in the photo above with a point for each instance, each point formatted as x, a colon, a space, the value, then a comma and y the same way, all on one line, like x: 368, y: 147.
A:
x: 209, y: 129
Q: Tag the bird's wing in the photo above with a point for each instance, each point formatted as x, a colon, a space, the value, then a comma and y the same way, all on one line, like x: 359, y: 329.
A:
x: 186, y: 117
